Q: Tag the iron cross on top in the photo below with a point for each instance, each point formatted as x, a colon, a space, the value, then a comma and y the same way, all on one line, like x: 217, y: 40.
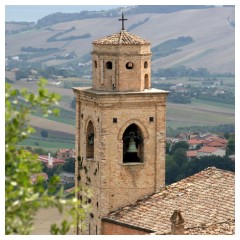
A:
x: 122, y: 19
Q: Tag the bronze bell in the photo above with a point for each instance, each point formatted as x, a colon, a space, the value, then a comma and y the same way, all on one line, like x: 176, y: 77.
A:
x: 132, y: 146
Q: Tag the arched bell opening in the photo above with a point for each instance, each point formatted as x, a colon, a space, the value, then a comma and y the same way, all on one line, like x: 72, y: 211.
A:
x: 132, y: 144
x: 90, y: 140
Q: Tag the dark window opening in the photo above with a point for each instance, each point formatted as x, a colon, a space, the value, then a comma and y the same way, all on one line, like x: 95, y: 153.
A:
x: 151, y: 119
x: 129, y: 65
x: 95, y: 64
x: 90, y: 141
x: 109, y: 65
x: 132, y: 144
x: 114, y: 120
x: 145, y: 64
x: 146, y: 82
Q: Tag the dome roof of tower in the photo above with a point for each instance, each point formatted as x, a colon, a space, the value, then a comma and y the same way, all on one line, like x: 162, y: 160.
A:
x: 122, y: 38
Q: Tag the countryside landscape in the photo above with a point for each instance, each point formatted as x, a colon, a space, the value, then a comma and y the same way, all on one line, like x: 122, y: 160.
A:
x: 65, y: 59
x: 193, y: 57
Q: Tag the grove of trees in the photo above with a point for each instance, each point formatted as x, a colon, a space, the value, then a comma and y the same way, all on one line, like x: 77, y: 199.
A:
x: 179, y: 167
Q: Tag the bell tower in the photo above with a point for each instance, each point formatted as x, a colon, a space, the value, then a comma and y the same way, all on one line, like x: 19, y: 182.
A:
x: 120, y: 127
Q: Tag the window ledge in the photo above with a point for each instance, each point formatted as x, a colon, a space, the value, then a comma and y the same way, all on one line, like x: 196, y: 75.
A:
x: 132, y: 163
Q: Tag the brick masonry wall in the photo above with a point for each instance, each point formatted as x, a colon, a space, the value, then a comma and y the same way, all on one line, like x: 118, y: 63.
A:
x: 123, y: 79
x: 116, y: 184
x: 115, y: 229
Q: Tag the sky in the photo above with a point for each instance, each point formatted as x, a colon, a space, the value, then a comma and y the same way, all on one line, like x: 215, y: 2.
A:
x: 31, y: 13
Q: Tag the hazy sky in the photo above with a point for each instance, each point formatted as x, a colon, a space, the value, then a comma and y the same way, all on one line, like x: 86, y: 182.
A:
x: 35, y: 12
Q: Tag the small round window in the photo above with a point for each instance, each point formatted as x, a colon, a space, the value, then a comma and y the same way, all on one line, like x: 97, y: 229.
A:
x: 95, y: 64
x: 109, y: 65
x: 129, y: 65
x: 145, y: 64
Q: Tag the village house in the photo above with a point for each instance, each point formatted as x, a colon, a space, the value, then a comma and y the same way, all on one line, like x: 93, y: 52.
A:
x: 194, y: 143
x: 65, y: 153
x: 191, y: 155
x: 67, y: 177
x: 205, y: 151
x: 209, y: 151
x: 49, y: 161
x: 35, y: 176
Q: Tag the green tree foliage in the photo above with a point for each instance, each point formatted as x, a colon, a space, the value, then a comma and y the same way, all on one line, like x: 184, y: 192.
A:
x: 180, y: 144
x: 201, y: 163
x: 180, y: 156
x: 176, y: 172
x: 22, y: 74
x: 69, y: 166
x: 44, y: 133
x: 22, y: 198
x: 172, y: 170
x: 231, y: 146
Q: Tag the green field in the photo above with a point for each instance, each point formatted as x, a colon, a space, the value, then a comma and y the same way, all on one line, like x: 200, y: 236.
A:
x: 199, y: 113
x: 54, y: 141
x: 45, y: 144
x: 70, y: 121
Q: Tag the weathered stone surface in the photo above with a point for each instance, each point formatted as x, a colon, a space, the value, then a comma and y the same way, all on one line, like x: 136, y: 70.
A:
x: 121, y: 95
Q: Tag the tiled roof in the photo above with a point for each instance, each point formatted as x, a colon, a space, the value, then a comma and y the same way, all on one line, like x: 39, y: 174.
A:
x: 222, y: 228
x: 191, y: 153
x: 221, y: 140
x: 44, y: 158
x: 205, y: 199
x: 122, y: 38
x: 194, y: 141
x: 215, y: 144
x: 207, y: 149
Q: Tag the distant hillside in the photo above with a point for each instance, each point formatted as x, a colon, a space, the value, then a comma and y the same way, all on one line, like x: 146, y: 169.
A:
x: 209, y: 32
x: 165, y: 8
x: 60, y: 17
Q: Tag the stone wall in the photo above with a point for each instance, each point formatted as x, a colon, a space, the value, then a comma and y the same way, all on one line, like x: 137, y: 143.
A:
x: 110, y: 228
x: 114, y: 183
x: 119, y: 77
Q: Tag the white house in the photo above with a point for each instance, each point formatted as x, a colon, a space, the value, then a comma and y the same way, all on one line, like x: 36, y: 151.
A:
x: 209, y: 151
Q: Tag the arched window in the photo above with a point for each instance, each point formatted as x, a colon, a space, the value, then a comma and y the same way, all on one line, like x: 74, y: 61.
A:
x: 146, y: 82
x: 109, y: 65
x: 90, y: 140
x: 129, y: 65
x: 145, y: 64
x: 95, y: 64
x: 132, y: 144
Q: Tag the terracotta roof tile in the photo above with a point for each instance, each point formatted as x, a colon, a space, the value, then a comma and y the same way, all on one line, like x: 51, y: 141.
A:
x: 194, y: 141
x: 215, y: 144
x: 122, y: 38
x: 44, y: 158
x: 206, y: 198
x: 191, y: 153
x: 207, y: 149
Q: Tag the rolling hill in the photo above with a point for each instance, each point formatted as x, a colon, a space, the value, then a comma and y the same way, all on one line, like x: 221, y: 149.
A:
x: 211, y: 31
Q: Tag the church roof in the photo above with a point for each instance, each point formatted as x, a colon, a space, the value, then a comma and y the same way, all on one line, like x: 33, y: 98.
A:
x: 122, y: 38
x: 206, y: 201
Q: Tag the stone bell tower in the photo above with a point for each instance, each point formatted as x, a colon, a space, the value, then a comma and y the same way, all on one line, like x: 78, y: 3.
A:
x: 120, y: 127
